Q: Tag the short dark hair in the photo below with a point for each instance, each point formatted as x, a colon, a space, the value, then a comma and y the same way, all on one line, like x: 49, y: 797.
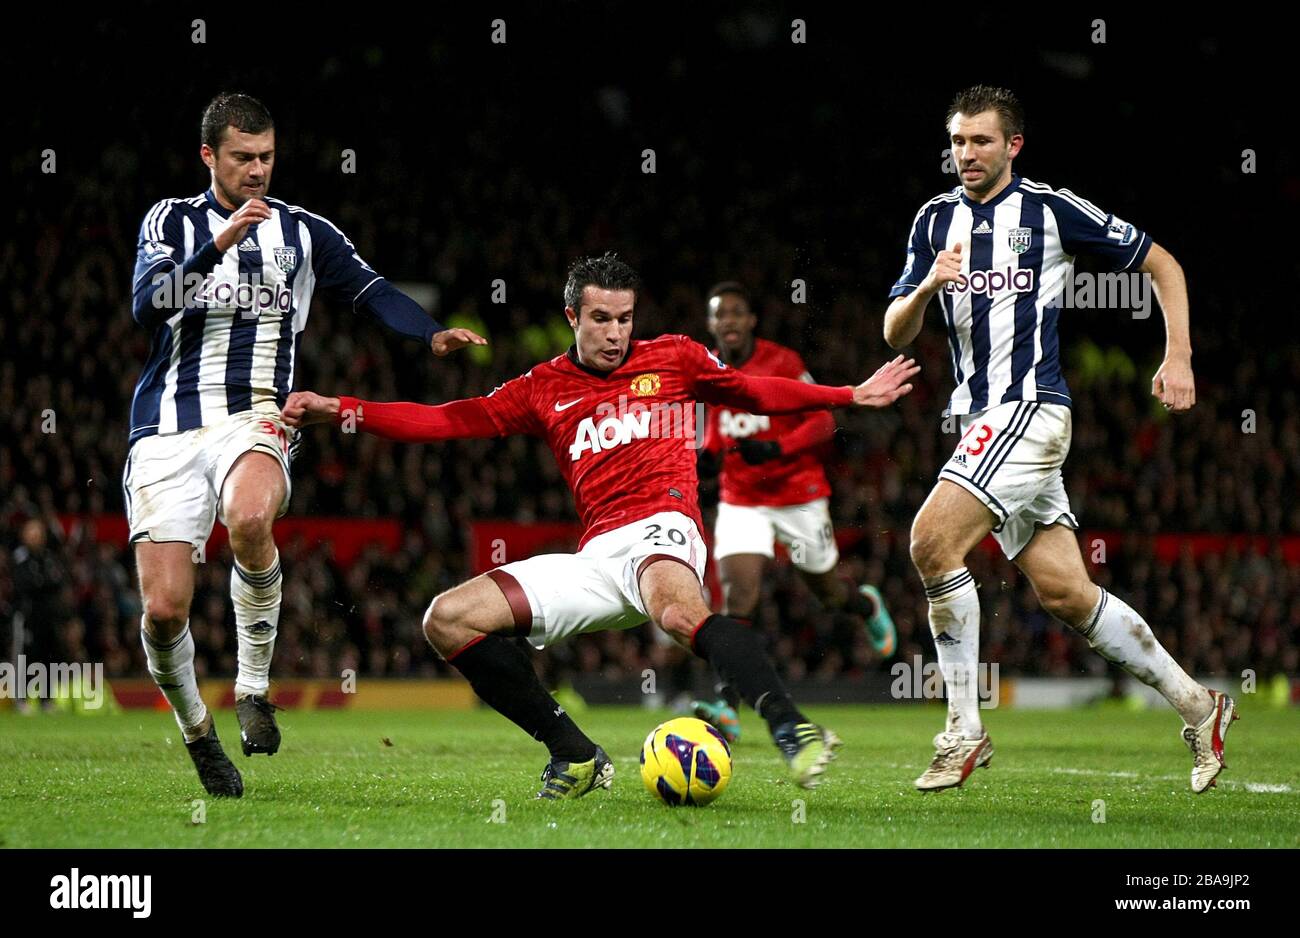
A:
x: 731, y: 286
x: 608, y: 271
x: 244, y: 113
x: 981, y: 98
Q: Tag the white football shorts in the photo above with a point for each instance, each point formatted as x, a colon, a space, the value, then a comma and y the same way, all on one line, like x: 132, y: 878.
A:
x: 172, y: 482
x: 598, y: 588
x: 805, y: 530
x: 1010, y: 458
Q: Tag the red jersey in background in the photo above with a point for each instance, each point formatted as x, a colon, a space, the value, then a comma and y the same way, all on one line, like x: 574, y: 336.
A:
x: 795, y: 477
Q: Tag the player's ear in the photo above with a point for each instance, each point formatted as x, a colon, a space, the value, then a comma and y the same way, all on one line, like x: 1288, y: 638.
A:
x: 572, y: 316
x: 1017, y: 141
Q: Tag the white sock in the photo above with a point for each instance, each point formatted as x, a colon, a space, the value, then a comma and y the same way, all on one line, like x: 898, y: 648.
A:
x: 255, y: 595
x: 1119, y: 634
x: 172, y: 667
x: 955, y: 625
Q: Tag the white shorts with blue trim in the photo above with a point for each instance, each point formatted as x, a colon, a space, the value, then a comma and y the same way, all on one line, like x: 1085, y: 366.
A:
x: 1010, y: 458
x: 172, y: 482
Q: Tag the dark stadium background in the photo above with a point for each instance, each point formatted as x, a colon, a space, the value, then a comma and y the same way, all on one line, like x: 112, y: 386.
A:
x: 775, y: 161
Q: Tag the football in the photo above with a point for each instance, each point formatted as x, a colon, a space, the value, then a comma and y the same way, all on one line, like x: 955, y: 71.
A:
x: 685, y: 762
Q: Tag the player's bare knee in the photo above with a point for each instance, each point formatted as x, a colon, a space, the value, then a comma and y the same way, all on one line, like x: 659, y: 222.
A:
x: 166, y: 615
x: 438, y: 619
x: 929, y: 551
x: 448, y: 618
x: 250, y: 527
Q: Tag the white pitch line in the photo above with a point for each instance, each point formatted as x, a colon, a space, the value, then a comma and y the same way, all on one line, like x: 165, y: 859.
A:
x: 1257, y: 787
x: 1060, y: 771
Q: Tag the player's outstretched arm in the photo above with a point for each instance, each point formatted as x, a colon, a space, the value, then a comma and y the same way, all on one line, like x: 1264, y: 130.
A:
x: 1173, y: 384
x: 764, y: 395
x: 904, y: 317
x: 407, y: 422
x: 340, y: 270
x: 891, y: 381
x: 405, y: 317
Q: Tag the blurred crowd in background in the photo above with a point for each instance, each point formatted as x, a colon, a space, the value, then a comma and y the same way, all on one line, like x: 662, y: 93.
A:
x: 492, y: 187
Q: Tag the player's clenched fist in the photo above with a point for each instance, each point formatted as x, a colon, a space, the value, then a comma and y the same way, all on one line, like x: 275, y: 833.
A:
x: 946, y: 269
x: 303, y: 408
x: 890, y: 382
x: 1174, y: 386
x: 250, y: 213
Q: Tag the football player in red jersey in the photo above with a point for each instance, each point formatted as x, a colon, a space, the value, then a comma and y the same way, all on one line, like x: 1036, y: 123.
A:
x: 773, y: 489
x: 619, y: 417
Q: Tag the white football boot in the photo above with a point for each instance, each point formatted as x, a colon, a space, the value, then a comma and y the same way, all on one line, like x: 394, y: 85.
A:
x: 1206, y: 741
x: 955, y: 757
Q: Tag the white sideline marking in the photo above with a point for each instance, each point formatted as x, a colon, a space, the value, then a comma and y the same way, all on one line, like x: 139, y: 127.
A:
x: 1257, y: 787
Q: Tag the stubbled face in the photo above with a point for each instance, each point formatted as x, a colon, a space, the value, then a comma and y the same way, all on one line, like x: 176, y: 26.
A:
x: 241, y: 166
x: 33, y: 534
x: 732, y: 323
x: 602, y: 328
x: 981, y: 150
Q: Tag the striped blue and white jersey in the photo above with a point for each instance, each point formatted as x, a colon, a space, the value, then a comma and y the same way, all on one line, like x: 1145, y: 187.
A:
x: 227, y: 327
x: 1018, y: 254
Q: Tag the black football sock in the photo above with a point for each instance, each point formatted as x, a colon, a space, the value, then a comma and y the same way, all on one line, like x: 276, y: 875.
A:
x: 736, y: 653
x: 501, y: 674
x: 725, y: 690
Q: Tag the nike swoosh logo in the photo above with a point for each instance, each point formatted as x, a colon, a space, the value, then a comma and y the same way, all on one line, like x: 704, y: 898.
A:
x: 559, y: 407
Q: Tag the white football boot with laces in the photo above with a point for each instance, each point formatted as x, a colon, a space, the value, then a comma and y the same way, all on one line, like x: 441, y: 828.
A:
x: 1206, y: 741
x: 955, y: 757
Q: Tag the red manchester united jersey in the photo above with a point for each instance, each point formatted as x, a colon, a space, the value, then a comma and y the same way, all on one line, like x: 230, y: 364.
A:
x: 625, y: 439
x: 791, y: 479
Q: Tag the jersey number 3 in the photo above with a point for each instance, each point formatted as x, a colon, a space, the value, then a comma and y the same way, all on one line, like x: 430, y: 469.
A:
x: 981, y: 438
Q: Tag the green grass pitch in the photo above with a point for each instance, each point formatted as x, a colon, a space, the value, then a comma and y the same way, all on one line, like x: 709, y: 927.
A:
x: 124, y: 781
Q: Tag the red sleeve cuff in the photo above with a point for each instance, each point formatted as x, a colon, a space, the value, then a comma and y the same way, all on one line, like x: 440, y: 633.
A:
x: 347, y: 405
